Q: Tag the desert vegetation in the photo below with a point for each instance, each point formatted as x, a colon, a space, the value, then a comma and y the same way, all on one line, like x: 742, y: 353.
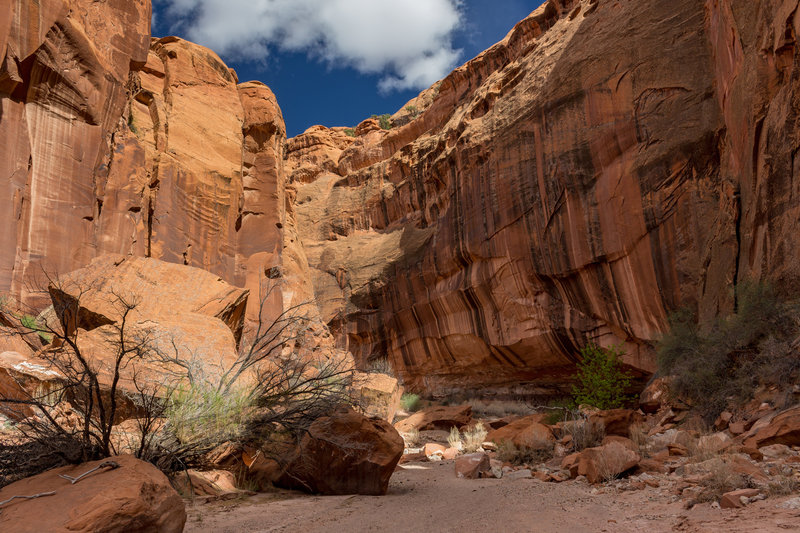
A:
x: 180, y: 408
x: 714, y: 365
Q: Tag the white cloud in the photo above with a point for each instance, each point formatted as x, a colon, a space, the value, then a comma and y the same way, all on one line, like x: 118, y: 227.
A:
x: 408, y: 41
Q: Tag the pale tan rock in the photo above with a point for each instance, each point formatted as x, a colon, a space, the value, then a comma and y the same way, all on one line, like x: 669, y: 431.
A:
x: 377, y: 394
x: 430, y: 449
x: 134, y: 497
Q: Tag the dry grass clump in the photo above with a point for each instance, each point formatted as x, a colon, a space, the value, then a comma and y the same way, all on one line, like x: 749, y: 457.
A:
x: 584, y: 434
x: 538, y: 452
x: 454, y: 439
x: 411, y: 438
x: 783, y: 485
x: 721, y: 479
x: 474, y: 437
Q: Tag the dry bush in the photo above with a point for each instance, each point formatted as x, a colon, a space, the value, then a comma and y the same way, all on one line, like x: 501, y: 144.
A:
x: 783, y: 485
x: 607, y: 465
x: 719, y: 480
x: 536, y: 453
x: 713, y: 365
x: 474, y: 437
x: 180, y: 418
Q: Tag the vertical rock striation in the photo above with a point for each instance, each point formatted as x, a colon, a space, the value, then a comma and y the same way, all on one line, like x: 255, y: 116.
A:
x: 606, y: 163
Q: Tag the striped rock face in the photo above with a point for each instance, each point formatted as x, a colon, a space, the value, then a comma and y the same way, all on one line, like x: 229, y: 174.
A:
x: 607, y: 163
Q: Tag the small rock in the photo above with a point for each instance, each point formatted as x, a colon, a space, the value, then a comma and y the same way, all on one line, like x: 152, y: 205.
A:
x: 734, y: 499
x: 432, y: 450
x: 519, y: 474
x: 794, y: 503
x: 471, y: 465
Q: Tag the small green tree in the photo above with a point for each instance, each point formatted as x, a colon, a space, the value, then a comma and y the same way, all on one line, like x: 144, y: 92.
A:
x: 602, y: 381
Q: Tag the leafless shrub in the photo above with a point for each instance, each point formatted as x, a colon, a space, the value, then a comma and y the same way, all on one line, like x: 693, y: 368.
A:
x: 271, y: 394
x: 534, y: 453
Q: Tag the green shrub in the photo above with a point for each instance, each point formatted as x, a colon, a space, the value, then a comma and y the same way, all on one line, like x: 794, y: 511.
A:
x: 413, y: 111
x: 602, y: 381
x: 410, y: 402
x: 350, y: 132
x: 715, y: 364
x: 384, y: 121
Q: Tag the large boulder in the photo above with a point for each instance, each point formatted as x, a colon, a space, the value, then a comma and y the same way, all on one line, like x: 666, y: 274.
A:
x: 606, y: 462
x: 345, y: 453
x: 159, y: 290
x: 439, y: 417
x: 136, y: 496
x: 783, y: 428
x: 376, y: 394
x: 526, y: 432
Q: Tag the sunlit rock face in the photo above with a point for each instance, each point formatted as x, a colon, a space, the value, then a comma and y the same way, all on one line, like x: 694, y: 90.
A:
x: 116, y: 144
x: 606, y: 163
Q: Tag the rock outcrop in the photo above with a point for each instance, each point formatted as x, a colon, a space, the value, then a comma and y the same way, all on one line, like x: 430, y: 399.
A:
x: 606, y: 163
x: 114, y: 144
x: 135, y: 496
x: 603, y: 165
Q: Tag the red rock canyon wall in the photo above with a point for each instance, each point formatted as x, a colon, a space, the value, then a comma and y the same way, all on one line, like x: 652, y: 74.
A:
x: 606, y: 163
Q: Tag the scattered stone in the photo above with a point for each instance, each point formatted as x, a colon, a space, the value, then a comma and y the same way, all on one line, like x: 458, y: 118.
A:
x: 677, y: 450
x: 135, y: 496
x: 616, y: 421
x: 434, y: 452
x: 471, y: 465
x: 783, y: 428
x: 737, y: 498
x: 723, y: 420
x: 205, y: 483
x: 654, y: 396
x: 775, y: 451
x: 525, y: 473
x: 450, y: 453
x: 570, y: 464
x: 793, y: 503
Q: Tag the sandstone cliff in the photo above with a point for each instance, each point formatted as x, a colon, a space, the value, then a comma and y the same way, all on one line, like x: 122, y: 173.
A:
x: 606, y: 163
x: 116, y: 144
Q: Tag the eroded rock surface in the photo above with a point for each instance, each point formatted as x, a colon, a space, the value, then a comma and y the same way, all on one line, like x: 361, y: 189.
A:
x: 136, y: 496
x: 606, y: 163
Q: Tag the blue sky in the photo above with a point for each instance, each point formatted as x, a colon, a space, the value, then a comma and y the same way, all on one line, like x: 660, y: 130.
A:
x: 336, y: 62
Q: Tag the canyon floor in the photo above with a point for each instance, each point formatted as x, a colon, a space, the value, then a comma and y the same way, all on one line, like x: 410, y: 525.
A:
x: 428, y: 497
